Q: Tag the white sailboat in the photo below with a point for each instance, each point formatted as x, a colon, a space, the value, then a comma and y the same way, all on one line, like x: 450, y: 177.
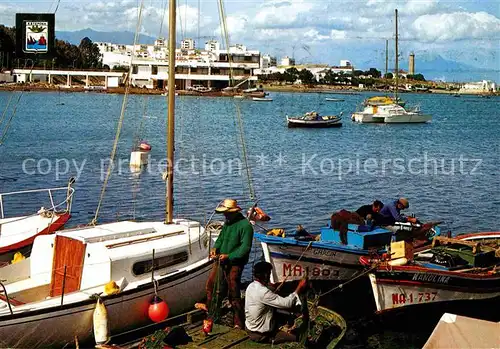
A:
x: 49, y: 303
x: 389, y: 110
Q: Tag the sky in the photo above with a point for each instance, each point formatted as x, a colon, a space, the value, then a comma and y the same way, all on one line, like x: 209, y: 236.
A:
x: 313, y: 31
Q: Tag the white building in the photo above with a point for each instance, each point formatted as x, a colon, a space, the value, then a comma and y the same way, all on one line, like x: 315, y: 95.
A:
x: 345, y: 63
x: 212, y: 46
x: 266, y: 61
x: 479, y: 87
x: 187, y: 44
x: 287, y: 61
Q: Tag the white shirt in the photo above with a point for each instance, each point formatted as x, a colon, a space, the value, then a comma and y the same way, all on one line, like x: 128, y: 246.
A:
x: 260, y: 303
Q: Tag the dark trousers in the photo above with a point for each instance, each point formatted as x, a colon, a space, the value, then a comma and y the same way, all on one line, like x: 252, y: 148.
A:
x: 226, y: 279
x: 276, y: 337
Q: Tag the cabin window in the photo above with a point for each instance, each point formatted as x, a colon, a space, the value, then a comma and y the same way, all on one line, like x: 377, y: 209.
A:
x: 144, y: 267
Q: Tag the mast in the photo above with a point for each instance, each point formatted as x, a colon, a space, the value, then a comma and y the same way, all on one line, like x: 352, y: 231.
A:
x: 169, y: 207
x: 386, y: 56
x: 397, y: 67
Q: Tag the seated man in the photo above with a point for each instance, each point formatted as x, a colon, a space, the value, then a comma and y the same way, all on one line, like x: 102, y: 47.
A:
x: 391, y: 213
x: 370, y: 213
x: 260, y: 305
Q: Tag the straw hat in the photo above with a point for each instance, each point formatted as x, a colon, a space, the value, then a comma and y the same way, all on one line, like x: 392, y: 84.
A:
x: 404, y: 202
x: 228, y: 205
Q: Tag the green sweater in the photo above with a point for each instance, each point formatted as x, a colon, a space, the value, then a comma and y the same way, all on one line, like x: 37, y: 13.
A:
x: 235, y: 240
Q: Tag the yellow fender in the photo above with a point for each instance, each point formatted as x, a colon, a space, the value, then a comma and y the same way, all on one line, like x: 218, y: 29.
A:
x: 18, y: 256
x: 101, y: 333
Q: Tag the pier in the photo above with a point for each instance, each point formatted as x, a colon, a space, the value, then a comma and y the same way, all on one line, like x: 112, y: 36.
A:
x: 111, y: 79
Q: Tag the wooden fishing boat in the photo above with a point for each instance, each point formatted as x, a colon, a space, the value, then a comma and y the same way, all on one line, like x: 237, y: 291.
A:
x: 454, y: 269
x: 314, y: 120
x: 326, y: 258
x: 333, y: 328
x: 17, y: 233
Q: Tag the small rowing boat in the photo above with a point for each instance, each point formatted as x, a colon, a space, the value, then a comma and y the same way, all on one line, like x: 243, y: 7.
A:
x: 314, y: 120
x: 262, y: 99
x: 334, y: 99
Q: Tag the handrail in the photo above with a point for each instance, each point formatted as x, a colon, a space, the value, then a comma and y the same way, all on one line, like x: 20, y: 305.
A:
x: 68, y: 201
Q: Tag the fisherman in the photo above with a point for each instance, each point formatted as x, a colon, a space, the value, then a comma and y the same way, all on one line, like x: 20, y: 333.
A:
x: 261, y: 303
x: 391, y: 213
x: 232, y: 250
x: 371, y: 213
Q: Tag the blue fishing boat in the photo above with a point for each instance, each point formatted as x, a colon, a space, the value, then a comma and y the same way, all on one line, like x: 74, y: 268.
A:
x: 323, y: 256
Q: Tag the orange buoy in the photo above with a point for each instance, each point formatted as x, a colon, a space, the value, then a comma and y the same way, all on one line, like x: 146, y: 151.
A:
x: 158, y: 309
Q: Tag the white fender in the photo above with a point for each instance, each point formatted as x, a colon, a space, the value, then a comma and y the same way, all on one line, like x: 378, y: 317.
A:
x: 100, y: 323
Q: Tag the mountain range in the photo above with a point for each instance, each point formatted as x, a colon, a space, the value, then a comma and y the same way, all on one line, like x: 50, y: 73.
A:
x: 123, y: 37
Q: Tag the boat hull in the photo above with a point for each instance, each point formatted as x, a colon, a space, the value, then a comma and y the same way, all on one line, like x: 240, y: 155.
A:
x: 365, y: 118
x: 409, y: 118
x: 59, y: 325
x: 409, y: 286
x: 313, y: 123
x: 320, y: 264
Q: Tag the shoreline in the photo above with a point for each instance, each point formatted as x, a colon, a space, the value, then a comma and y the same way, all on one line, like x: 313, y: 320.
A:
x: 327, y: 89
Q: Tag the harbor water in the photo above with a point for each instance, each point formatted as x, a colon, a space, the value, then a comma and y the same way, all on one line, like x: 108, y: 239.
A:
x: 448, y: 168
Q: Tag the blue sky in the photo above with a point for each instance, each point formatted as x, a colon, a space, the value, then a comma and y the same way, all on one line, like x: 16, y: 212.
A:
x: 315, y: 31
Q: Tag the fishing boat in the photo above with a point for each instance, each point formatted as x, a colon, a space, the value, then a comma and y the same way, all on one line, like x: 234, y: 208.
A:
x: 326, y: 330
x: 261, y: 99
x: 326, y: 258
x: 453, y: 269
x: 314, y: 120
x: 17, y: 233
x: 330, y: 99
x: 139, y: 270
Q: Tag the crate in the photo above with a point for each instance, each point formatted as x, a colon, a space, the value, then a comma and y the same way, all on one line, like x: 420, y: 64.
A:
x: 401, y: 249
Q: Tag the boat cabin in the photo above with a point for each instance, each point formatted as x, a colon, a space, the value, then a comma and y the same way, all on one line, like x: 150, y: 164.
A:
x: 359, y: 236
x: 86, y: 259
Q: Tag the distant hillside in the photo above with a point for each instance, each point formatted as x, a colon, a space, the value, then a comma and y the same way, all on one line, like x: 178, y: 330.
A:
x: 434, y: 66
x: 123, y: 37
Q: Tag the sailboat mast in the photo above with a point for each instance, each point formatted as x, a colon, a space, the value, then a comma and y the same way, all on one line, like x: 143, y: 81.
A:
x: 386, y: 56
x: 397, y: 58
x: 169, y: 208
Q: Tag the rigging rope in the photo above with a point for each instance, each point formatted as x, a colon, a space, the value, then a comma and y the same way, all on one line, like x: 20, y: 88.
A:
x: 7, y: 126
x: 122, y: 116
x: 237, y: 106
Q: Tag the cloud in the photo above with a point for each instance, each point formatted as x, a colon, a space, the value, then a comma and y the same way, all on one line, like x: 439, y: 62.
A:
x: 283, y: 14
x: 456, y: 26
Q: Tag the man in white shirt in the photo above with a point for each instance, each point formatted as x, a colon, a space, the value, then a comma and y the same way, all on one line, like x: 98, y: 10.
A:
x: 261, y: 303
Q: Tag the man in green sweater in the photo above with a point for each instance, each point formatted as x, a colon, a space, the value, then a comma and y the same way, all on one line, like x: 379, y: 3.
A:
x: 232, y: 249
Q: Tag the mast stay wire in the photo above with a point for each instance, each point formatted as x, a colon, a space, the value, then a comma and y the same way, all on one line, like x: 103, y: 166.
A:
x: 120, y: 121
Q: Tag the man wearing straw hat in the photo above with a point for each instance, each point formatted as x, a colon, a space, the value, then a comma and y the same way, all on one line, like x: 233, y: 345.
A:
x: 232, y: 250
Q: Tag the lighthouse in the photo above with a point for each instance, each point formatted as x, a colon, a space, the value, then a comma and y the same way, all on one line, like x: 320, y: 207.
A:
x: 411, y: 64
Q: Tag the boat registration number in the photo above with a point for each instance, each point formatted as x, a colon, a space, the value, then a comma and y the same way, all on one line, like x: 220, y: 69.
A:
x: 410, y: 298
x: 290, y: 270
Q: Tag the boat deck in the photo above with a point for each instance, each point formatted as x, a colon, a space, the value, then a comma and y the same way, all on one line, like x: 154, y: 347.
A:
x: 226, y: 337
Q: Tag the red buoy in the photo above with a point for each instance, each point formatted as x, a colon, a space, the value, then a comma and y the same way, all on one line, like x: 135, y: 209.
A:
x: 158, y: 309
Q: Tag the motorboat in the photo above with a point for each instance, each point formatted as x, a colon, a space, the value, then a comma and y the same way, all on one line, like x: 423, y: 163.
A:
x: 50, y: 302
x: 314, y: 120
x: 390, y: 114
x: 331, y: 99
x: 17, y: 233
x: 261, y: 99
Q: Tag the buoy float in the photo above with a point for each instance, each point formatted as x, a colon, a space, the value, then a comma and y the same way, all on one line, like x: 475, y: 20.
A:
x: 18, y: 256
x: 158, y: 309
x: 101, y: 334
x: 145, y: 146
